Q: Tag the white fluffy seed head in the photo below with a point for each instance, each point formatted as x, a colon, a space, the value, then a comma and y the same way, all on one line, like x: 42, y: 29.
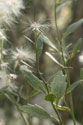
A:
x: 6, y: 80
x: 9, y: 9
x: 15, y: 6
x: 37, y: 26
x: 23, y: 54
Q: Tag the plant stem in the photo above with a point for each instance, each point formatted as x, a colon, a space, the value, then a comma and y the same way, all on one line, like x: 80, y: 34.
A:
x: 61, y: 41
x: 71, y: 100
x: 37, y: 61
x: 16, y: 104
x: 68, y: 80
x: 57, y: 32
x: 38, y: 71
x: 56, y: 111
x: 26, y: 122
x: 37, y: 58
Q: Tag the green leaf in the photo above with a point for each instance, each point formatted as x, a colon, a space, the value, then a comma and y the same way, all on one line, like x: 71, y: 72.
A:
x: 76, y: 47
x: 59, y: 84
x: 62, y: 5
x: 56, y: 61
x: 34, y: 92
x: 28, y: 39
x: 73, y: 27
x: 50, y: 98
x: 62, y: 108
x: 73, y: 86
x: 35, y: 110
x: 34, y: 81
x: 81, y: 73
x: 46, y: 40
x: 39, y: 46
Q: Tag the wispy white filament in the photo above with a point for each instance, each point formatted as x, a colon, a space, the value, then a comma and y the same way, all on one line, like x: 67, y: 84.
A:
x: 23, y: 54
x: 9, y: 9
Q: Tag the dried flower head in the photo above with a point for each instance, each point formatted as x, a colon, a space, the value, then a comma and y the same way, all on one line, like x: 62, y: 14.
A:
x: 36, y: 26
x: 8, y: 9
